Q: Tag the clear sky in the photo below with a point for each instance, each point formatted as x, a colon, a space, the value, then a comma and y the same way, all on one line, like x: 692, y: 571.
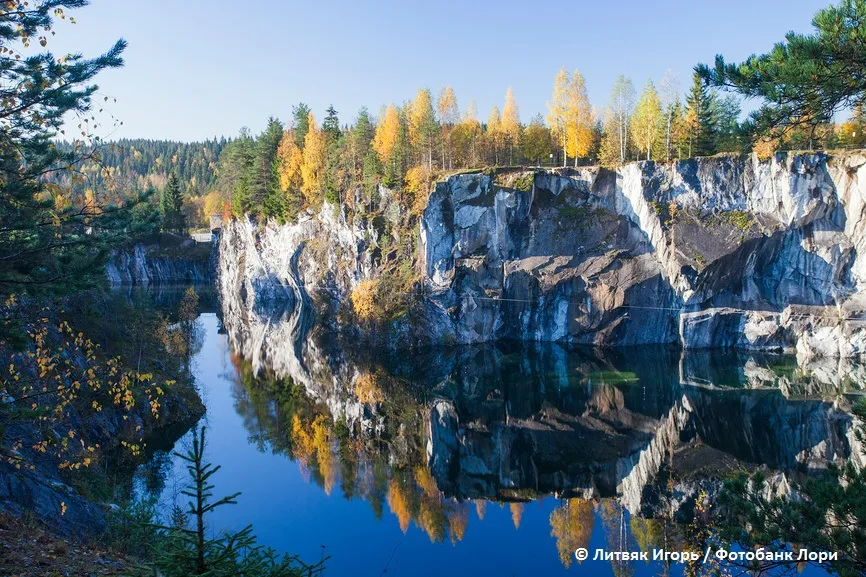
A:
x: 202, y: 68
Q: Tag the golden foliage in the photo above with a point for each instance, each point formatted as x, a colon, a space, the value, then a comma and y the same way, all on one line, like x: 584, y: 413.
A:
x: 213, y: 204
x: 516, y: 513
x: 364, y: 299
x: 387, y: 134
x: 571, y: 524
x: 647, y: 123
x: 480, y: 508
x: 313, y: 162
x: 419, y: 181
x: 399, y: 501
x: 765, y: 147
x: 511, y: 119
x: 570, y: 115
x: 290, y: 158
x: 367, y: 389
x: 457, y: 521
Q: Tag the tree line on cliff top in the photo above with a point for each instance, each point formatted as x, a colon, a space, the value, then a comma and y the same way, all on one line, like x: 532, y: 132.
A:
x: 802, y: 83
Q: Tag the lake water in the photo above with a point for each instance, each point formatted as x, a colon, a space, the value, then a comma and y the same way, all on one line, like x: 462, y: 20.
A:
x: 496, y: 460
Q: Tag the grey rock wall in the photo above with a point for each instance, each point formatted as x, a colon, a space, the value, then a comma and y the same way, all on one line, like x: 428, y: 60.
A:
x: 710, y: 252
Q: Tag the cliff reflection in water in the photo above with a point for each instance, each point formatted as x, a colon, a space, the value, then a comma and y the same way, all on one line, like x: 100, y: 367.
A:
x: 647, y: 431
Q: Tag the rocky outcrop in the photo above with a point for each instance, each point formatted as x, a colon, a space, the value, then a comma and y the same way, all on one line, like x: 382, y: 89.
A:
x: 711, y: 252
x: 144, y: 265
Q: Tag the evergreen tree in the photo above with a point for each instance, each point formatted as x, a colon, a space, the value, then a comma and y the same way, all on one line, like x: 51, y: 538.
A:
x: 331, y: 124
x: 172, y: 206
x: 805, y: 79
x: 726, y: 116
x: 300, y: 123
x: 50, y: 239
x: 265, y: 194
x: 700, y: 119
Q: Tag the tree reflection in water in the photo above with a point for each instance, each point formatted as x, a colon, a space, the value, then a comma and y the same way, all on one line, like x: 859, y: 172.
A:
x: 641, y: 439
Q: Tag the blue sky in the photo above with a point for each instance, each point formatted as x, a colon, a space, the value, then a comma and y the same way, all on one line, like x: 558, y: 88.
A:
x: 197, y: 68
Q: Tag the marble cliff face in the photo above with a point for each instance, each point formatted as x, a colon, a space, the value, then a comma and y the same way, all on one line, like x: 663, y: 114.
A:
x: 710, y: 252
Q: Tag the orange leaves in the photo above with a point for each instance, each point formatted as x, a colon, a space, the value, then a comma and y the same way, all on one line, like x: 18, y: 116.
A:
x: 364, y: 299
x: 313, y: 162
x: 289, y: 161
x: 387, y: 134
x: 571, y: 525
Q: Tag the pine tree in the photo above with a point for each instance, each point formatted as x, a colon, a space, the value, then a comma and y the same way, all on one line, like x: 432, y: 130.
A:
x: 700, y: 120
x: 805, y: 79
x: 172, y: 206
x: 44, y: 240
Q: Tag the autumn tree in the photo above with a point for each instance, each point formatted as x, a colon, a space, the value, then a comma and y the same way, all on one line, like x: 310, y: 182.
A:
x: 289, y: 161
x: 449, y: 116
x: 537, y: 144
x: 313, y: 165
x: 466, y: 136
x: 510, y: 124
x: 621, y: 107
x: 579, y: 119
x: 571, y: 525
x: 423, y: 127
x: 494, y: 135
x: 386, y: 143
x: 557, y: 116
x: 647, y: 125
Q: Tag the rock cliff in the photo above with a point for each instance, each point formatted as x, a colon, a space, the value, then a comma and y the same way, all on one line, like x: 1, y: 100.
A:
x: 710, y: 252
x: 146, y: 265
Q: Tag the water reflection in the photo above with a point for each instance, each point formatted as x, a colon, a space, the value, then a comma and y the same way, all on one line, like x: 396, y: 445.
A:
x: 639, y: 439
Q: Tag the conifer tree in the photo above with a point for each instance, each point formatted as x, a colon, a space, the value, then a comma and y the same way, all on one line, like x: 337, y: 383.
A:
x: 172, y: 206
x: 300, y: 123
x: 494, y: 135
x: 265, y: 193
x: 805, y: 79
x: 700, y: 120
x: 45, y: 245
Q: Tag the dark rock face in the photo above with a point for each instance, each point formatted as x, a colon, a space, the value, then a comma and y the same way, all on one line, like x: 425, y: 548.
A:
x: 709, y: 252
x: 139, y: 266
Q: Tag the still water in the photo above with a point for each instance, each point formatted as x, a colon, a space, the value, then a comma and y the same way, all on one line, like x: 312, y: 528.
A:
x: 493, y: 460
